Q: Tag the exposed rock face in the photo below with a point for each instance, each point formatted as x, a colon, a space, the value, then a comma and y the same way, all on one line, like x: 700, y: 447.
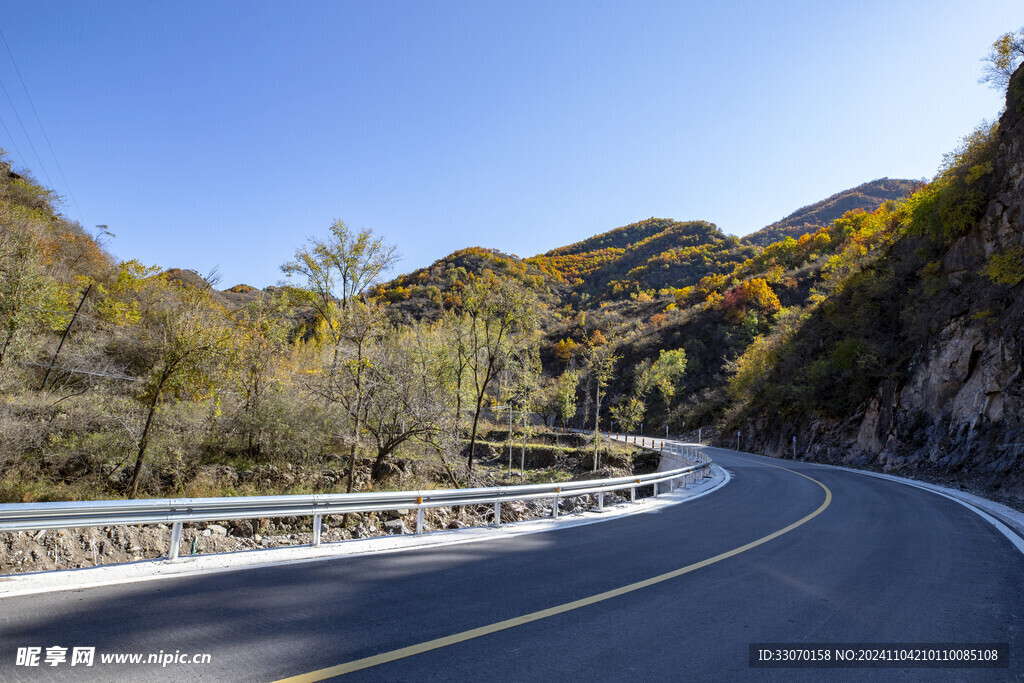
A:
x: 957, y: 414
x: 5, y: 170
x: 961, y: 407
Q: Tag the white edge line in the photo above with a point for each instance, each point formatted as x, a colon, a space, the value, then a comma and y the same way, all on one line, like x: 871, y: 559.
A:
x: 504, y: 531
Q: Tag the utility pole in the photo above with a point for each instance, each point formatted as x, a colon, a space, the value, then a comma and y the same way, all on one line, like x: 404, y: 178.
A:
x: 597, y: 413
x: 509, y: 407
x: 522, y: 462
x: 64, y: 337
x: 510, y: 437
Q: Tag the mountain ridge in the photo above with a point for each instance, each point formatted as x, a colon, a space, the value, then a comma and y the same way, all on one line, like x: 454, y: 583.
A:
x: 867, y: 196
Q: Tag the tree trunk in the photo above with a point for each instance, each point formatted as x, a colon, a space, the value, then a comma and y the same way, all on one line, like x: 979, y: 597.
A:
x: 144, y: 441
x: 522, y: 459
x: 352, y: 458
x: 377, y: 470
x: 472, y: 438
x: 63, y: 338
x: 7, y: 344
x: 458, y: 407
x: 353, y: 451
x: 597, y: 415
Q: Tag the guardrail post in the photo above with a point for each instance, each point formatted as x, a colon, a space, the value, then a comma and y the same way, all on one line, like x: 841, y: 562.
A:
x: 172, y: 552
x: 632, y: 494
x: 554, y: 506
x: 655, y: 494
x: 497, y: 512
x: 317, y: 526
x: 600, y: 500
x: 419, y: 521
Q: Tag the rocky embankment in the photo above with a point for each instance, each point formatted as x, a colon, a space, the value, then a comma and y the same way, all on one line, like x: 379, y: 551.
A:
x: 955, y: 417
x: 89, y: 547
x: 77, y: 548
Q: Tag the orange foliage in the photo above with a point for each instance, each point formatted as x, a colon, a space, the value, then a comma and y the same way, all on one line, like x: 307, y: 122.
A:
x: 565, y: 350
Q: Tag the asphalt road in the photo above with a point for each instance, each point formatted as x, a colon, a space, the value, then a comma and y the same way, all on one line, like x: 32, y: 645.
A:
x: 858, y: 559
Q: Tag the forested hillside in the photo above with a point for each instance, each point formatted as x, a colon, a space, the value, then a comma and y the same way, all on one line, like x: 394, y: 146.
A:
x: 879, y: 328
x: 642, y: 257
x: 914, y: 365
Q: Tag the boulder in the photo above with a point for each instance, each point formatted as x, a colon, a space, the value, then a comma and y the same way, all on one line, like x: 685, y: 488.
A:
x: 395, y: 526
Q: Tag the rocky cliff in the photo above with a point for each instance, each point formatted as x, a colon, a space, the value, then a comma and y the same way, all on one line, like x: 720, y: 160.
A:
x: 955, y: 412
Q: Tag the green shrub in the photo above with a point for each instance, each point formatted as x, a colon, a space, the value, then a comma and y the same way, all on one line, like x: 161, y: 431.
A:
x: 1006, y: 268
x: 956, y: 199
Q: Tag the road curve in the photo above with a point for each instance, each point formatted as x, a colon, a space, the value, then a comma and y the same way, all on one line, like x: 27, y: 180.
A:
x: 787, y: 552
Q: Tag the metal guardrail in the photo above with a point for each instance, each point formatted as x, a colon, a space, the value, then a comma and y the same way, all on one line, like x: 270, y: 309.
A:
x: 176, y: 511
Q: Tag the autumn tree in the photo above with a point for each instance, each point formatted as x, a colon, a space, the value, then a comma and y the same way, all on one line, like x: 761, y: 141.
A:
x: 454, y: 359
x: 497, y: 321
x: 1003, y: 59
x: 29, y: 300
x: 565, y: 394
x: 523, y: 385
x: 186, y: 338
x: 662, y: 376
x: 629, y: 412
x: 335, y: 272
x: 439, y: 369
x: 557, y: 396
x: 601, y: 360
x: 565, y: 350
x: 353, y: 370
x: 341, y: 267
x: 261, y: 339
x: 665, y: 373
x: 402, y: 395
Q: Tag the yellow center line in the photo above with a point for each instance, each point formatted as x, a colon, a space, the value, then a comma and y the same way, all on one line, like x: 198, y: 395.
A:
x: 401, y: 653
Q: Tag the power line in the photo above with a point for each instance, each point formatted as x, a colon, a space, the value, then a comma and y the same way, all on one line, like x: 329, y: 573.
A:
x: 14, y: 142
x: 78, y: 371
x: 42, y: 128
x: 23, y: 130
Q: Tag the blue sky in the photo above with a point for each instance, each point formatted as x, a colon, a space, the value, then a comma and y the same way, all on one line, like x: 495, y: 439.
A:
x: 227, y: 133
